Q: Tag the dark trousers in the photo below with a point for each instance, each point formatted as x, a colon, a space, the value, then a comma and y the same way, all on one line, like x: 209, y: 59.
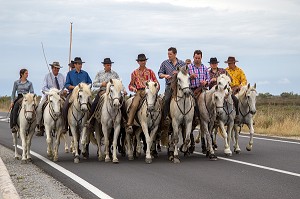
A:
x: 65, y: 111
x: 15, y: 110
x: 167, y: 101
x: 236, y: 103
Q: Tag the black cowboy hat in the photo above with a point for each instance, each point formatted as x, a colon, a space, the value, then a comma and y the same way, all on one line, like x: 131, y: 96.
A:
x: 213, y: 60
x: 78, y: 60
x: 56, y: 64
x: 141, y: 57
x: 71, y: 64
x: 107, y: 61
x: 231, y: 60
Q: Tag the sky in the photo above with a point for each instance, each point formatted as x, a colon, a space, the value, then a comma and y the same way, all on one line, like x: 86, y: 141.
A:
x: 264, y: 36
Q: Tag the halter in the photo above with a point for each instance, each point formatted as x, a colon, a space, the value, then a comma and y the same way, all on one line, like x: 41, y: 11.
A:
x: 29, y: 121
x: 184, y: 97
x: 51, y: 113
x: 205, y: 102
x: 79, y: 111
x: 248, y: 105
x: 80, y: 101
x: 111, y: 101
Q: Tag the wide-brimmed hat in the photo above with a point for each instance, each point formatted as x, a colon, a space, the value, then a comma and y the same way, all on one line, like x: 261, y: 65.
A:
x: 107, y: 61
x: 56, y: 64
x: 71, y: 64
x: 141, y: 57
x: 231, y: 60
x: 213, y: 60
x: 78, y: 60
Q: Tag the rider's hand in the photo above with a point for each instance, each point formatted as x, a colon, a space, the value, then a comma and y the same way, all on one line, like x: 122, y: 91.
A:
x: 11, y: 105
x: 193, y: 76
x: 104, y: 84
x: 167, y: 76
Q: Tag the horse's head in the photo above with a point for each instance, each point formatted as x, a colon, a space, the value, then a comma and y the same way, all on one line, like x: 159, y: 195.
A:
x: 81, y: 94
x: 54, y: 100
x: 151, y: 90
x: 222, y: 81
x: 183, y: 80
x: 251, y: 98
x: 114, y: 91
x: 29, y: 105
x: 218, y: 98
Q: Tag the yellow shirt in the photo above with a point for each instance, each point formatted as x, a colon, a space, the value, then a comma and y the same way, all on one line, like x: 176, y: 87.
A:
x: 238, y: 76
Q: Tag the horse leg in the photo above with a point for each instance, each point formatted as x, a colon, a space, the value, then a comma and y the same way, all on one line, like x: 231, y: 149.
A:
x: 15, y: 141
x: 49, y: 141
x: 210, y: 152
x: 115, y: 140
x: 29, y: 139
x: 187, y: 140
x: 59, y: 136
x: 251, y: 131
x: 148, y: 139
x: 65, y: 138
x: 227, y: 150
x: 75, y: 141
x: 129, y: 147
x: 138, y: 142
x: 98, y: 139
x: 106, y: 131
x: 84, y: 142
x: 236, y: 139
x: 175, y: 140
x: 24, y: 148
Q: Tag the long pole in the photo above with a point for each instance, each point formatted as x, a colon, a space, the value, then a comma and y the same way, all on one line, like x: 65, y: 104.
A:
x: 47, y: 62
x: 70, y: 50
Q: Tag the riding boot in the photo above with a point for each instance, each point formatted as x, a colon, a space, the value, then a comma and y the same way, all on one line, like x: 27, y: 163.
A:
x: 65, y: 114
x: 14, y: 116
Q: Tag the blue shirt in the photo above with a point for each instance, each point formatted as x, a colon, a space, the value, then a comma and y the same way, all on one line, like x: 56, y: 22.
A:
x: 167, y: 67
x: 74, y: 78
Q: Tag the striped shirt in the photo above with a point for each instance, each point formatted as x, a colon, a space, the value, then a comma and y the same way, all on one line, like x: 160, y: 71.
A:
x: 21, y: 88
x: 167, y: 67
x: 140, y: 77
x: 201, y: 75
x: 238, y: 76
x: 103, y: 76
x: 49, y: 81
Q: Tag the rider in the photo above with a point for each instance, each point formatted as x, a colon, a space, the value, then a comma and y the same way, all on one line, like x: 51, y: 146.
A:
x: 137, y: 84
x: 167, y: 70
x: 53, y: 79
x: 238, y: 79
x: 21, y: 86
x: 74, y: 77
x: 101, y: 80
x: 215, y: 72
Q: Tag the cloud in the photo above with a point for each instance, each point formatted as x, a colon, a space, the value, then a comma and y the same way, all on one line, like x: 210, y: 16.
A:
x: 284, y: 81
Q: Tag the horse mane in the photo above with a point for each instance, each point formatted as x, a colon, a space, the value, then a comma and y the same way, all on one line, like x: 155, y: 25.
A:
x: 242, y: 91
x: 117, y: 84
x: 81, y: 86
x: 184, y: 71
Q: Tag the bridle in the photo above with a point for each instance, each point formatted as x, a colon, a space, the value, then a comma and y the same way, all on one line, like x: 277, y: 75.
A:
x: 248, y: 105
x: 29, y: 120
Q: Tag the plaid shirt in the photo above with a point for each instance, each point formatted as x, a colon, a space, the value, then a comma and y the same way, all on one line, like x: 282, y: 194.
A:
x: 201, y: 73
x: 167, y: 67
x: 139, y: 78
x: 238, y: 76
x: 103, y: 76
x: 216, y: 75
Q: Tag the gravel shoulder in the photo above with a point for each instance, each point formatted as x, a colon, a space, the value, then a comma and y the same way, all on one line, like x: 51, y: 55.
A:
x: 32, y: 182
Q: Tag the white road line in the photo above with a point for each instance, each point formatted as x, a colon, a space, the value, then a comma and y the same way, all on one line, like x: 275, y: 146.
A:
x: 256, y: 165
x: 73, y: 176
x: 269, y: 139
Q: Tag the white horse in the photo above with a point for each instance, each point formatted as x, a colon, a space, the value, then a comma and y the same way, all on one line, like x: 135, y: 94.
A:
x: 108, y: 117
x: 149, y: 117
x: 210, y: 107
x: 78, y: 114
x: 181, y: 112
x: 247, y: 109
x: 53, y: 122
x: 227, y: 117
x: 26, y: 122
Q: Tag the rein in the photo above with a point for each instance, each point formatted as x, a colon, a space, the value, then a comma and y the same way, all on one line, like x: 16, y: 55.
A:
x: 184, y: 97
x: 29, y: 121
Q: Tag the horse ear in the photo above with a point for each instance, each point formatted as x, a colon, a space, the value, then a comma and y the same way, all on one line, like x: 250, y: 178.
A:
x: 147, y: 83
x: 80, y: 86
x: 254, y: 85
x: 177, y: 68
x: 155, y: 84
x: 216, y: 88
x: 225, y: 87
x: 248, y: 85
x: 111, y: 81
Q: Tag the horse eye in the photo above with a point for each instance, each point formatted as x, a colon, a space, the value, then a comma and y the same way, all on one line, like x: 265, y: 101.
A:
x: 51, y: 101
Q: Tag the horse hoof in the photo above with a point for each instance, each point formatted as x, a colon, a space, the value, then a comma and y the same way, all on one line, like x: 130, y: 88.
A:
x: 17, y: 157
x: 197, y: 140
x: 85, y: 156
x: 66, y: 150
x: 107, y: 160
x: 171, y: 158
x: 100, y: 158
x: 213, y: 157
x: 238, y: 151
x: 76, y: 160
x: 29, y: 159
x: 249, y: 148
x: 23, y: 161
x: 148, y: 160
x: 116, y: 161
x: 130, y: 158
x: 176, y: 160
x: 55, y: 159
x: 228, y: 152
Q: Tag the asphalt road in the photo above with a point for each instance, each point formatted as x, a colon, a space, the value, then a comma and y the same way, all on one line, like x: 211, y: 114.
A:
x: 270, y: 170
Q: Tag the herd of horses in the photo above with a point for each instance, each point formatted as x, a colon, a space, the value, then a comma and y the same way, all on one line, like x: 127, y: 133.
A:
x: 216, y: 108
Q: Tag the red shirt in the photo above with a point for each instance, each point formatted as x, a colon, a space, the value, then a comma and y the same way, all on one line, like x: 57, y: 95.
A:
x: 140, y: 77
